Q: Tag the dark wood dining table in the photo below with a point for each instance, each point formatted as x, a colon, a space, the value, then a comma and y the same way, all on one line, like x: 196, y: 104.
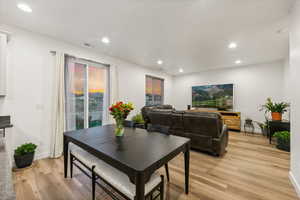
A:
x: 138, y: 153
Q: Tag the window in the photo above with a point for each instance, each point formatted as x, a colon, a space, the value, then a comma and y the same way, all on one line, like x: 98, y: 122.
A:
x: 87, y: 93
x: 154, y: 91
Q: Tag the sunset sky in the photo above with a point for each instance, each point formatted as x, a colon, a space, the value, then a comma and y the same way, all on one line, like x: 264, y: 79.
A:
x: 153, y: 86
x: 96, y: 82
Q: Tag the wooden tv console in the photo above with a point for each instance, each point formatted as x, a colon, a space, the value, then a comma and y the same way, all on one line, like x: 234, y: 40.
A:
x: 231, y: 119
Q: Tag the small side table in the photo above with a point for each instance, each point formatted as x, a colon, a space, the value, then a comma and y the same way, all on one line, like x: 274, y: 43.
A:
x: 249, y: 125
x: 275, y: 126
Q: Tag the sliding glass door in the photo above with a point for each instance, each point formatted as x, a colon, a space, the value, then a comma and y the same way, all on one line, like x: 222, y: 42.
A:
x: 87, y: 93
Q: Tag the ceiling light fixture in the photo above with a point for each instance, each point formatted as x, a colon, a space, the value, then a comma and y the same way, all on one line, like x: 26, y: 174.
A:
x: 160, y: 62
x: 105, y: 40
x: 180, y: 70
x: 238, y: 62
x: 232, y: 45
x: 24, y: 7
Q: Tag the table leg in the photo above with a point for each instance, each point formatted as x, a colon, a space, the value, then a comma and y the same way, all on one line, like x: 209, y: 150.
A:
x: 140, y: 186
x: 66, y: 153
x: 167, y: 172
x: 187, y: 169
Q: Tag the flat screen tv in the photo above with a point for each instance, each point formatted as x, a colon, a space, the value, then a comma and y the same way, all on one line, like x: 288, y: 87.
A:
x: 213, y: 96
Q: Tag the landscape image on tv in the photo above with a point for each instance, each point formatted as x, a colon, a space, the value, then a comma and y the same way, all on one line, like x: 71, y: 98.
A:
x: 213, y: 96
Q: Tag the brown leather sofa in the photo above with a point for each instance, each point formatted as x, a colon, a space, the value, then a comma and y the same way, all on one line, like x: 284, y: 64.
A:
x: 160, y: 108
x: 206, y: 130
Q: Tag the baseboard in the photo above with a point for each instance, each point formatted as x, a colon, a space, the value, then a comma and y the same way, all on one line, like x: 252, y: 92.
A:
x: 41, y: 155
x: 295, y: 183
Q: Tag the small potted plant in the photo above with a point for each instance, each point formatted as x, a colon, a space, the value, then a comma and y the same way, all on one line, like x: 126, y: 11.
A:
x: 138, y: 121
x: 283, y: 140
x: 276, y: 109
x: 263, y: 126
x: 24, y: 155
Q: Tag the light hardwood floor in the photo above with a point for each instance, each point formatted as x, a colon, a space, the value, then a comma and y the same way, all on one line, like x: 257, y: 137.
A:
x: 250, y: 170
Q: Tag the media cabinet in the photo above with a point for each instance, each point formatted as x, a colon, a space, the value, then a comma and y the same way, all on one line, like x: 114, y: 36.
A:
x: 231, y: 119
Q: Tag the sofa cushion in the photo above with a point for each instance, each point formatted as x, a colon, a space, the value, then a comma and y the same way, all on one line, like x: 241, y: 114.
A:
x: 177, y: 121
x: 203, y: 123
x: 160, y: 117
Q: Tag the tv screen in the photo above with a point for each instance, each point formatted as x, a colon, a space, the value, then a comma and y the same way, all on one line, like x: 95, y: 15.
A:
x: 213, y: 96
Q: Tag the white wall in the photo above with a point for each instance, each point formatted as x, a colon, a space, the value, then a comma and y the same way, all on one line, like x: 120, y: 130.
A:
x: 294, y: 83
x: 252, y: 85
x: 29, y: 82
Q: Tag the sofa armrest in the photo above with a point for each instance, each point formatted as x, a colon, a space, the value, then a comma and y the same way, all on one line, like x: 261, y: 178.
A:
x: 225, y: 134
x: 220, y: 143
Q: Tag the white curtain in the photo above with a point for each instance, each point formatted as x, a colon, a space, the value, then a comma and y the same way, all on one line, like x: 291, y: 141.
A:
x: 70, y: 104
x: 58, y: 112
x: 114, y: 89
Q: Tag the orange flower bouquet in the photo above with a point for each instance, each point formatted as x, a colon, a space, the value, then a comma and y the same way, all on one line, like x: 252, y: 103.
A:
x: 120, y: 111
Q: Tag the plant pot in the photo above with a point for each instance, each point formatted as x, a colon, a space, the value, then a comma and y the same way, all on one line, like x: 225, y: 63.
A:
x: 24, y: 160
x: 283, y: 145
x: 276, y: 116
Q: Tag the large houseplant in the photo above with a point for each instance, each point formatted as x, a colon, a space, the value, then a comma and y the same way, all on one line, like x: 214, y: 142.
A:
x: 283, y: 140
x: 24, y: 155
x: 120, y: 111
x: 276, y: 109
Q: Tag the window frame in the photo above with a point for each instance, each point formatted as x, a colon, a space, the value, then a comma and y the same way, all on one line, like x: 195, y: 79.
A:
x: 106, y: 100
x: 162, y: 89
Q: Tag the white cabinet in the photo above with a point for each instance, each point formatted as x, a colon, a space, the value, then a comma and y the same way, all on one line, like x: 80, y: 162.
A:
x: 3, y: 64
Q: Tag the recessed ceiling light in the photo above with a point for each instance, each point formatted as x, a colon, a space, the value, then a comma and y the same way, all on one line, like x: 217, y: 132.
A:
x: 105, y: 40
x: 24, y: 7
x: 180, y: 70
x: 238, y: 62
x: 160, y: 62
x: 232, y: 45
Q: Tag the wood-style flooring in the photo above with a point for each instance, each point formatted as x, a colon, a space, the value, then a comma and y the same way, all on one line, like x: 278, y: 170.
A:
x: 250, y: 170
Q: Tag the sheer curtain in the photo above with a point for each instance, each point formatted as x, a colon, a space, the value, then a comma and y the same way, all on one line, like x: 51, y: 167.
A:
x: 58, y: 113
x: 75, y: 90
x: 114, y: 89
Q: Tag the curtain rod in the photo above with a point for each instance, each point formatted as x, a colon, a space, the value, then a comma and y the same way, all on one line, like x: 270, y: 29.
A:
x: 89, y: 60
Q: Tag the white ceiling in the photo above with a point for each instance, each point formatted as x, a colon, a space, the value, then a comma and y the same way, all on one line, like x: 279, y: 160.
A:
x: 188, y: 34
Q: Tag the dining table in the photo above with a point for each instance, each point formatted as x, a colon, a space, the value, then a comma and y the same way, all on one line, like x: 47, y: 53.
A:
x: 138, y: 153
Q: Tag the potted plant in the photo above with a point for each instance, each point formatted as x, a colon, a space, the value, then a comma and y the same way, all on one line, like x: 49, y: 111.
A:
x: 263, y: 126
x: 138, y: 121
x: 24, y: 155
x: 276, y: 109
x: 283, y: 140
x: 120, y: 111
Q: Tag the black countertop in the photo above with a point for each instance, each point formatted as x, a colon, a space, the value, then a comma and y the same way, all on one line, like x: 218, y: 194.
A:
x: 5, y: 122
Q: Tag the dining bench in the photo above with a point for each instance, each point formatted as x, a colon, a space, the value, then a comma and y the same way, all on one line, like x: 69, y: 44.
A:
x: 114, y: 182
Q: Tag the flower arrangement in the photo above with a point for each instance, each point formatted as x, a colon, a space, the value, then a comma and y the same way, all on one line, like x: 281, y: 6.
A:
x: 120, y: 111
